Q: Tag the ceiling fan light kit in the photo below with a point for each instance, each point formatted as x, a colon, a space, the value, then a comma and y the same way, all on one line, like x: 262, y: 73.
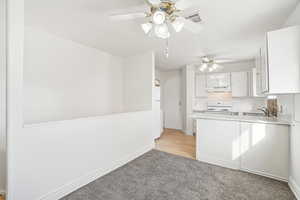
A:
x: 159, y: 17
x: 162, y: 31
x: 147, y: 27
x: 164, y: 17
x: 209, y: 65
x: 178, y: 25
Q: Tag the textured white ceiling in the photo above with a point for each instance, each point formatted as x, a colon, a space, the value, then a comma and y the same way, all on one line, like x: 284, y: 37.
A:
x: 232, y: 28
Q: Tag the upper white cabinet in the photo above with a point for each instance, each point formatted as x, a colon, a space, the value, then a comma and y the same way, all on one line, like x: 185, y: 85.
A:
x: 264, y: 70
x: 278, y: 65
x: 240, y: 84
x: 200, y: 85
x: 256, y: 90
x: 219, y: 82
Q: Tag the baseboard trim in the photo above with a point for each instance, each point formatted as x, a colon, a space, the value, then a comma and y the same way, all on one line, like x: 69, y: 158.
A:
x: 260, y: 173
x: 84, y: 180
x: 2, y: 192
x: 216, y: 161
x: 295, y: 188
x: 188, y: 132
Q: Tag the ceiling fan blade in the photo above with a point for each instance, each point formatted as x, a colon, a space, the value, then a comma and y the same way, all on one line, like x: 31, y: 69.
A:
x: 224, y: 60
x: 153, y: 2
x: 129, y: 16
x: 184, y: 4
x: 191, y: 26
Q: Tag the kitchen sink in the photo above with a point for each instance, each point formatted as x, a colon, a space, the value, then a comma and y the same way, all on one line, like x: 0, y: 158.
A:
x: 219, y: 113
x: 254, y: 114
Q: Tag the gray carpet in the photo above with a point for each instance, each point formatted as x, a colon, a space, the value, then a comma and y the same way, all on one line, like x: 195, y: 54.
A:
x: 160, y: 176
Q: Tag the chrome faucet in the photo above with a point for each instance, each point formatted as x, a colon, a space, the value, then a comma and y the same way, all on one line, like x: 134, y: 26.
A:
x: 265, y: 110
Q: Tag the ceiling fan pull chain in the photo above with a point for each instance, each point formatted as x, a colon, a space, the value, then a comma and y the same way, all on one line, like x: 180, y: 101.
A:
x: 167, y: 48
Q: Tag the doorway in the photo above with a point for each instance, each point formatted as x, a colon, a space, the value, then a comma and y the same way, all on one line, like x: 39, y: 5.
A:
x: 2, y: 98
x: 171, y: 99
x: 173, y: 139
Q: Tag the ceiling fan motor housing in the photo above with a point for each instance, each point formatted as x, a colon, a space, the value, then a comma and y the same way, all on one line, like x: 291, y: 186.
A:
x: 167, y: 7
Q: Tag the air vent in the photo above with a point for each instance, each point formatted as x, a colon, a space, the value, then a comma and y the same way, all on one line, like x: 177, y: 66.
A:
x: 195, y: 18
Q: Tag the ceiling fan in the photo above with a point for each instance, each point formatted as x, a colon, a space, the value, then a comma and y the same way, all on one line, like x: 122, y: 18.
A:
x: 212, y: 64
x: 164, y: 17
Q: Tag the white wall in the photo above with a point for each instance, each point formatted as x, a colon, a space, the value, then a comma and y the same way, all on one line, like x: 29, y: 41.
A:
x: 188, y: 74
x: 184, y: 90
x: 294, y: 18
x: 138, y: 81
x: 66, y: 80
x: 2, y: 94
x: 56, y: 158
x: 49, y: 160
x: 294, y: 181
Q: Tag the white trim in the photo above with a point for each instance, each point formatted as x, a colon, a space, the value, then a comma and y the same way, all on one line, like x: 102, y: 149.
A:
x: 265, y: 174
x: 88, y: 178
x: 295, y: 188
x: 2, y: 192
x: 15, y: 47
x: 216, y: 161
x: 93, y: 118
x: 188, y: 132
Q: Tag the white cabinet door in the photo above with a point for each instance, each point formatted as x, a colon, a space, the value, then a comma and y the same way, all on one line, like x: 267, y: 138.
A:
x: 295, y: 152
x: 297, y: 107
x: 265, y: 149
x: 257, y: 72
x: 264, y: 70
x: 218, y: 82
x: 218, y: 142
x: 284, y: 60
x: 256, y: 84
x: 240, y: 84
x: 200, y: 85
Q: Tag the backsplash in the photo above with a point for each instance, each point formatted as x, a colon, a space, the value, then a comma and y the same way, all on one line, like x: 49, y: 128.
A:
x: 238, y: 104
x: 286, y: 105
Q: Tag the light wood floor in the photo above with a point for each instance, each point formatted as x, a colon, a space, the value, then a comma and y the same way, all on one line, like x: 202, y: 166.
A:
x: 178, y: 143
x: 1, y: 197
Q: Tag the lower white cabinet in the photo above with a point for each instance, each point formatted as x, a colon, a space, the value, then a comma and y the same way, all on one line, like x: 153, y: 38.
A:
x: 265, y: 149
x: 217, y: 142
x: 254, y: 147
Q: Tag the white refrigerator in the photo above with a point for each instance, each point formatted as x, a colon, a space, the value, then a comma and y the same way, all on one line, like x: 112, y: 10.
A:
x: 157, y: 116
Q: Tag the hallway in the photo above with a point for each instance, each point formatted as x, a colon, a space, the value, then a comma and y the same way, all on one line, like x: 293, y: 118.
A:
x: 176, y: 142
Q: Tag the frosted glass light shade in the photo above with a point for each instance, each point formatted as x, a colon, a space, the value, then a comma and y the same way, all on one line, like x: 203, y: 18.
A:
x: 162, y: 31
x: 178, y: 25
x: 159, y: 17
x: 147, y: 27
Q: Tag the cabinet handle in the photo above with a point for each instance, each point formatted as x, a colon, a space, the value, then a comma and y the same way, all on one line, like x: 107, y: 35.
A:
x: 223, y: 87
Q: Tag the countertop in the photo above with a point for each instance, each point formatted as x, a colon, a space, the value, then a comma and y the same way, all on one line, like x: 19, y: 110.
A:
x: 242, y: 118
